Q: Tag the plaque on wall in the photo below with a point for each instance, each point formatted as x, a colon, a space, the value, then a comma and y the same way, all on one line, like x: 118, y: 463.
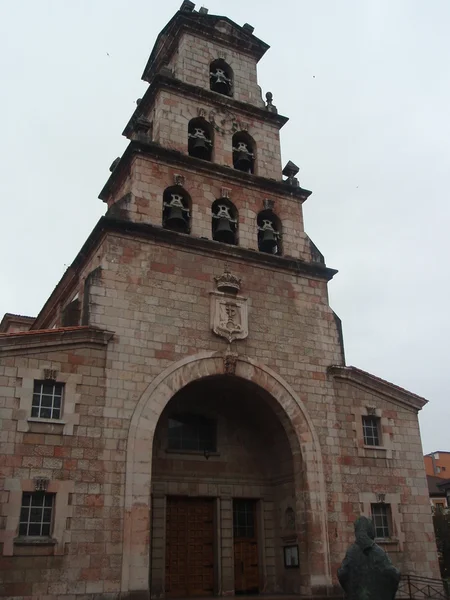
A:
x: 291, y: 557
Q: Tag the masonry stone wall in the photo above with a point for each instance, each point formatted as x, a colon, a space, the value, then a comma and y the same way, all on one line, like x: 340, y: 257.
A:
x: 151, y: 177
x: 192, y: 60
x: 172, y: 112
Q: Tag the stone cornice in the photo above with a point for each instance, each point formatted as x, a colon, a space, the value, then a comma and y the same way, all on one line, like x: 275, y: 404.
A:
x: 157, y: 233
x: 174, y: 157
x: 378, y: 386
x: 161, y: 81
x: 62, y: 337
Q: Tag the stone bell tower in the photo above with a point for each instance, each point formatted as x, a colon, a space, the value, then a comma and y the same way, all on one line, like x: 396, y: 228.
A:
x: 179, y: 418
x: 203, y: 129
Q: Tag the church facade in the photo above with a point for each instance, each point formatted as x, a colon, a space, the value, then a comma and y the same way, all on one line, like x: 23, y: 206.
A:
x: 179, y: 420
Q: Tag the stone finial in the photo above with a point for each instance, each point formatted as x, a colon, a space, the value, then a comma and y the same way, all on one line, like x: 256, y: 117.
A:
x: 247, y: 27
x: 227, y: 282
x: 203, y: 11
x: 187, y: 6
x: 114, y: 164
x: 270, y: 105
x: 290, y: 171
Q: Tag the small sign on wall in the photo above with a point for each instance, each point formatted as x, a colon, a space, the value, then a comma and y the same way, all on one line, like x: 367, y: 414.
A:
x: 291, y: 557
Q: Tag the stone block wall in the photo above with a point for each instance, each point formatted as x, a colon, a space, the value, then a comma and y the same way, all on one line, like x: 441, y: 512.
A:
x: 172, y: 112
x: 151, y: 177
x: 192, y: 60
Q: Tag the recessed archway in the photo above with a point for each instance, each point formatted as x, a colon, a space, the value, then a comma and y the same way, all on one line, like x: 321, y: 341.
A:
x: 310, y: 500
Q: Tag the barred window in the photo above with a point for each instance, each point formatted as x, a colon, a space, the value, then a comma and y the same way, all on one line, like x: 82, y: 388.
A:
x: 371, y: 431
x: 36, y: 514
x: 192, y: 433
x: 47, y: 399
x: 381, y: 516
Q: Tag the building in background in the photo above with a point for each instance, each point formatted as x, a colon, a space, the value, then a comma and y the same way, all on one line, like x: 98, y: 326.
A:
x: 179, y: 420
x: 437, y: 464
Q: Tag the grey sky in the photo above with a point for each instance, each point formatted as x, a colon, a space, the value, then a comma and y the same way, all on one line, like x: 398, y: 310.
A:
x: 366, y: 86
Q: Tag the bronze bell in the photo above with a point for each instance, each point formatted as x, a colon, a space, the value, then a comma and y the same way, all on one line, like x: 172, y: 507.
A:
x: 243, y: 162
x: 223, y: 232
x: 175, y: 219
x: 268, y: 241
x: 200, y: 148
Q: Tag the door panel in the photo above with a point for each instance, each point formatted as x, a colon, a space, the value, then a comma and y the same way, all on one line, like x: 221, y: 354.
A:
x: 189, y: 547
x: 246, y: 573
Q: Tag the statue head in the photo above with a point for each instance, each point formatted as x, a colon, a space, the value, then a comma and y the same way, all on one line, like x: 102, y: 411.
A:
x: 364, y: 532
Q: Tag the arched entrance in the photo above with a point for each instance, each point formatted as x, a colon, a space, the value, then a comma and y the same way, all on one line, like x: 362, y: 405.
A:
x: 234, y: 471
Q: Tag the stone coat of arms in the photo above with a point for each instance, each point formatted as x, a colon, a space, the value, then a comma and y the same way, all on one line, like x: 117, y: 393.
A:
x: 229, y: 314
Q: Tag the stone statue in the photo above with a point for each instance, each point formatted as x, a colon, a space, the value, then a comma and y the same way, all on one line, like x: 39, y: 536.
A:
x: 366, y: 572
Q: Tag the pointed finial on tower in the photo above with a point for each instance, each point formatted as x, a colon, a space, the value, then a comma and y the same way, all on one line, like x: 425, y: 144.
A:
x: 270, y: 106
x: 290, y: 171
x: 187, y: 6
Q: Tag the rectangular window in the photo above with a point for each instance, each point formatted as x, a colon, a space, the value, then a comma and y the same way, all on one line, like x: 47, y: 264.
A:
x: 47, y: 399
x: 244, y: 521
x: 192, y: 433
x: 371, y: 431
x: 36, y: 514
x: 381, y: 516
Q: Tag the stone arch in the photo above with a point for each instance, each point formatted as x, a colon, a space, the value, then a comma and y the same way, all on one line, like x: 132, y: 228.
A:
x: 299, y: 429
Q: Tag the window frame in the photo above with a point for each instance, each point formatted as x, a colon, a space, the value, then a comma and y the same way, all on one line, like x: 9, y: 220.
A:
x: 198, y: 420
x: 42, y: 508
x: 387, y: 517
x: 366, y: 437
x: 40, y: 394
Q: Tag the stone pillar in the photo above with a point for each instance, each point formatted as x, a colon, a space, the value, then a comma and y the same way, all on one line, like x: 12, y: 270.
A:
x: 227, y: 551
x: 158, y: 547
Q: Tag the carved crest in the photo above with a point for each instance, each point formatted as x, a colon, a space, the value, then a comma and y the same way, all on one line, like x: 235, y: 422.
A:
x: 381, y: 498
x: 371, y: 411
x: 229, y: 364
x: 50, y: 374
x: 228, y: 283
x: 41, y: 484
x: 178, y: 179
x: 229, y: 317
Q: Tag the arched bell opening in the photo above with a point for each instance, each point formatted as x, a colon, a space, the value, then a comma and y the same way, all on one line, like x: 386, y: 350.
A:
x: 269, y: 233
x: 226, y: 469
x: 224, y: 221
x: 244, y: 152
x: 176, y: 209
x: 200, y: 139
x: 221, y: 77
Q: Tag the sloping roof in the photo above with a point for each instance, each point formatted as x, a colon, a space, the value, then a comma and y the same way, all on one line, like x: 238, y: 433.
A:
x: 9, y: 318
x: 433, y: 488
x: 443, y: 485
x: 378, y: 385
x: 438, y: 452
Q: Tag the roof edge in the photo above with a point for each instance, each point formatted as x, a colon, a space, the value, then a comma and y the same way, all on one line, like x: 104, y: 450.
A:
x: 61, y: 336
x: 378, y: 385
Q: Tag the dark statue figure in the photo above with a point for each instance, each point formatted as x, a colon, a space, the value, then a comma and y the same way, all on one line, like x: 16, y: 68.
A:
x: 367, y: 572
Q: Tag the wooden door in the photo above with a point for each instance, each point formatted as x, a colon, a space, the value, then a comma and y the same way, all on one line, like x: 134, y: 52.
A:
x: 189, y: 547
x: 246, y: 574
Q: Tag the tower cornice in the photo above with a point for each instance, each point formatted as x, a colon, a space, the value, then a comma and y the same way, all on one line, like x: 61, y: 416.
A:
x: 175, y: 157
x: 162, y: 81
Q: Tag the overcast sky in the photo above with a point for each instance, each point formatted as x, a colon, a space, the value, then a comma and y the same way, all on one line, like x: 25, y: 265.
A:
x: 366, y: 86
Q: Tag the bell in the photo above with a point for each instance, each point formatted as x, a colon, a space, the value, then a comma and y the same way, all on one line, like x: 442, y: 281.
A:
x: 221, y: 87
x: 200, y: 149
x: 175, y: 219
x: 223, y: 232
x: 268, y: 241
x: 243, y: 162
